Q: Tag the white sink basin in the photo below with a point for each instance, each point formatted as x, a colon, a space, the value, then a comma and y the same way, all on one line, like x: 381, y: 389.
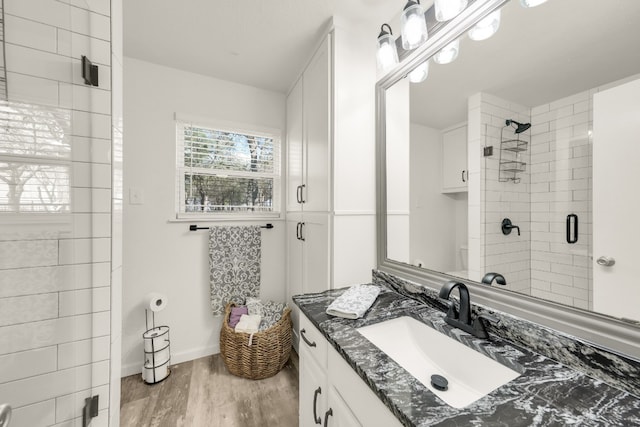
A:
x: 423, y: 351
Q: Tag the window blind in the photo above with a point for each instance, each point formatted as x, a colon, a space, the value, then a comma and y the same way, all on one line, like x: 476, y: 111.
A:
x: 227, y: 170
x: 35, y: 159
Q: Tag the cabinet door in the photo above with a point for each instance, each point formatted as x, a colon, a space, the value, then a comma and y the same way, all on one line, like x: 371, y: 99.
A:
x: 317, y: 129
x: 313, y: 391
x: 294, y: 268
x: 339, y: 414
x: 454, y: 160
x: 294, y: 148
x: 315, y: 261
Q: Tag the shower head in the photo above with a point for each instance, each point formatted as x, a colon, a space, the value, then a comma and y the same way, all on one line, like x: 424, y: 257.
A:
x: 520, y: 127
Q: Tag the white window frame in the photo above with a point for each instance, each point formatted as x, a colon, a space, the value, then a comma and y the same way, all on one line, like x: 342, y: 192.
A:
x: 231, y: 127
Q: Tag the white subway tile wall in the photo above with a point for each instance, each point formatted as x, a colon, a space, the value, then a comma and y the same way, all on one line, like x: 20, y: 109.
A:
x: 561, y: 170
x: 56, y: 296
x: 509, y: 255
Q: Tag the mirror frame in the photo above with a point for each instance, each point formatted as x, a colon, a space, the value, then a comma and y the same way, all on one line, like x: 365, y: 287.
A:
x: 606, y: 331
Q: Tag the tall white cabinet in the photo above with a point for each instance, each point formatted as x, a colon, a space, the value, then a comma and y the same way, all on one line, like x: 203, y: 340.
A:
x: 331, y: 167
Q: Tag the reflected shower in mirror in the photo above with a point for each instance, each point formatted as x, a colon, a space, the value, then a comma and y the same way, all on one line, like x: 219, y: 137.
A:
x: 534, y: 125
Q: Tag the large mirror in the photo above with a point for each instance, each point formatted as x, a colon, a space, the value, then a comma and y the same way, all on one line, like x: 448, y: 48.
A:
x: 521, y: 156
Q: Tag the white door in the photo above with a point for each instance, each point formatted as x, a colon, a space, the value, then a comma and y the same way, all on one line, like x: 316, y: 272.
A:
x: 315, y: 233
x: 339, y: 414
x: 313, y: 390
x: 316, y: 101
x: 616, y: 201
x: 294, y: 268
x: 454, y: 163
x: 294, y: 148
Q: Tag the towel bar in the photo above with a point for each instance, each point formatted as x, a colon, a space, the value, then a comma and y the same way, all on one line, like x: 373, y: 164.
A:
x: 194, y: 227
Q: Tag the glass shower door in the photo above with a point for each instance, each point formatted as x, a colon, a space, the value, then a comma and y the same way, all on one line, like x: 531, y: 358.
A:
x: 54, y: 216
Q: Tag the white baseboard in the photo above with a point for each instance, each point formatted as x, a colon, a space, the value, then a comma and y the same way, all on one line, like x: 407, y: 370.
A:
x: 180, y: 357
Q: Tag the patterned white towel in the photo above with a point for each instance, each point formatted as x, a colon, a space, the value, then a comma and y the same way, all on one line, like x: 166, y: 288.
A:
x: 354, y: 302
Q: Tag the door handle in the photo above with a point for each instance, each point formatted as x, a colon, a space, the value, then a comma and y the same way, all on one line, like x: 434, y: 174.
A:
x: 5, y: 415
x: 606, y: 261
x: 575, y: 228
x: 463, y: 178
x: 316, y: 418
x: 301, y: 229
x: 298, y: 231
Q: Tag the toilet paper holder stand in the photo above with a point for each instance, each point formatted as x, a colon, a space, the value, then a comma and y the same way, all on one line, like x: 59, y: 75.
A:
x: 157, y: 352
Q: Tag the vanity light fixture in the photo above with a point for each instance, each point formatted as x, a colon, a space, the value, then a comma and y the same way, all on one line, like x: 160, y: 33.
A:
x: 413, y: 25
x: 532, y: 3
x: 387, y: 53
x: 449, y: 9
x: 420, y: 73
x: 448, y: 53
x: 486, y: 27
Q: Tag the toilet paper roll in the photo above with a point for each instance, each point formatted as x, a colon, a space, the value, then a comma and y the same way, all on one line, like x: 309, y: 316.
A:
x: 157, y: 301
x: 156, y: 339
x: 154, y: 375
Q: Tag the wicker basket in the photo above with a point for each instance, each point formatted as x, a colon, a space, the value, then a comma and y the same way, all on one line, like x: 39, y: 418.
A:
x: 268, y: 353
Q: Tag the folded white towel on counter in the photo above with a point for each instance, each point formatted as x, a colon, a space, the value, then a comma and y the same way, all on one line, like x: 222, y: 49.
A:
x: 354, y: 302
x: 248, y: 323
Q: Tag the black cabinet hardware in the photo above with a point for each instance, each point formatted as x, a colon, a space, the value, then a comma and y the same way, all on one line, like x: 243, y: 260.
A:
x: 316, y: 418
x: 309, y: 343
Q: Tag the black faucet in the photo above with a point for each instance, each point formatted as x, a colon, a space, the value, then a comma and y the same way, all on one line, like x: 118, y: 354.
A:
x: 490, y: 277
x: 463, y: 320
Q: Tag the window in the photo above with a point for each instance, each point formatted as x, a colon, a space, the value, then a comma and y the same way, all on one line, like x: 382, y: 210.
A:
x: 224, y: 170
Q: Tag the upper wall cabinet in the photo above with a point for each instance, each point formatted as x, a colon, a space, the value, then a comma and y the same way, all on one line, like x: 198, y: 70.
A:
x: 455, y: 174
x: 308, y: 136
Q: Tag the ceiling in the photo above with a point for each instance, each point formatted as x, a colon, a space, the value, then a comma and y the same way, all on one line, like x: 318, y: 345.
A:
x: 261, y: 43
x: 538, y: 55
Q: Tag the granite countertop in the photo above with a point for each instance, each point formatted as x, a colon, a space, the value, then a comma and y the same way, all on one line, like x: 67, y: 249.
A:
x: 547, y: 393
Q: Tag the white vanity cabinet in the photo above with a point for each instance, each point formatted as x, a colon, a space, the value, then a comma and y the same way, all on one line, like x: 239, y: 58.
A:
x: 331, y: 167
x: 455, y: 174
x: 331, y: 393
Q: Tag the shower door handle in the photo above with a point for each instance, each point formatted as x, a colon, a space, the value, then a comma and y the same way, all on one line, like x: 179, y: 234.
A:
x: 575, y: 228
x: 5, y: 415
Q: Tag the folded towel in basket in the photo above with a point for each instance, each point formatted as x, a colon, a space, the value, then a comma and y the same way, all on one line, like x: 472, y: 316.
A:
x: 248, y: 323
x: 354, y: 302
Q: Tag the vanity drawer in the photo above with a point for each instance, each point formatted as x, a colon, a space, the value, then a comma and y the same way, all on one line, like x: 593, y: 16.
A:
x: 313, y: 341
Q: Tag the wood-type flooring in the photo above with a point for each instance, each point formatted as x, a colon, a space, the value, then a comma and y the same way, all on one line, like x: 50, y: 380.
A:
x: 202, y: 393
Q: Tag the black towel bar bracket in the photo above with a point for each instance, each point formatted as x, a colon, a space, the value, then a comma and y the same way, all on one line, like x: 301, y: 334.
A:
x: 194, y: 227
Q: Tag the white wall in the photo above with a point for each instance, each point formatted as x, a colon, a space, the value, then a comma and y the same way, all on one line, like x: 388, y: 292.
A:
x: 434, y: 220
x: 55, y: 306
x: 398, y: 184
x: 164, y: 256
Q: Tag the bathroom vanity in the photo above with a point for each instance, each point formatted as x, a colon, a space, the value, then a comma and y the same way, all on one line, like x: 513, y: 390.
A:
x: 347, y: 380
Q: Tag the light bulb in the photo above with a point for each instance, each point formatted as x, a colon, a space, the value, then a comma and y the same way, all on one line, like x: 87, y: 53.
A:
x: 420, y: 73
x: 448, y: 9
x: 387, y: 53
x: 448, y: 53
x: 532, y: 3
x: 413, y: 25
x: 486, y: 27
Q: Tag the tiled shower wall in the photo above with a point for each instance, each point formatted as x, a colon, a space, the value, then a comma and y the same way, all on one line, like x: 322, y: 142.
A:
x: 55, y: 267
x: 561, y: 171
x: 510, y: 254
